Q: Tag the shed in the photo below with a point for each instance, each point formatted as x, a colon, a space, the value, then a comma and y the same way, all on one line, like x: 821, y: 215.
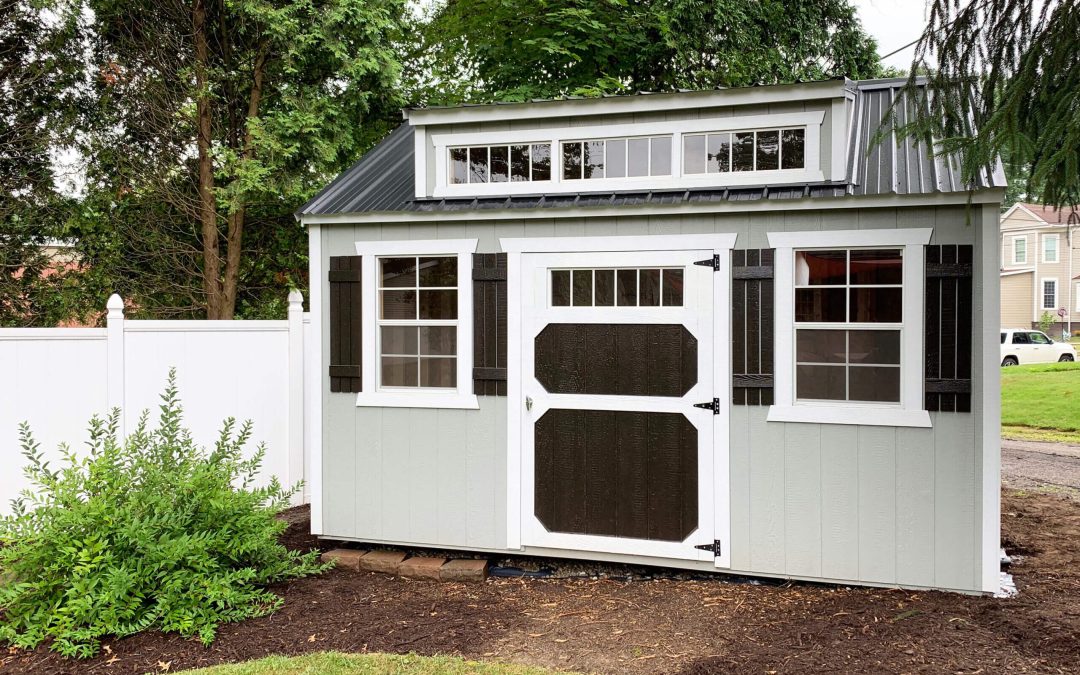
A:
x: 718, y: 330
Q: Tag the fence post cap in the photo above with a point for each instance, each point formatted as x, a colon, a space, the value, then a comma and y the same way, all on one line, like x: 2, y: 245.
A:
x: 296, y: 299
x: 115, y: 305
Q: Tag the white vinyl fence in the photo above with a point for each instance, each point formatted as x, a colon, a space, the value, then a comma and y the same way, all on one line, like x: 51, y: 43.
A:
x: 57, y: 378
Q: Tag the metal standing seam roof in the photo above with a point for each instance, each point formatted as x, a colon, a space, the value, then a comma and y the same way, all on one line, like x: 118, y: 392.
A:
x: 383, y: 181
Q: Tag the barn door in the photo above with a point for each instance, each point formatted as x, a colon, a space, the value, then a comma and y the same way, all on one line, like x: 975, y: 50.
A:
x: 618, y: 432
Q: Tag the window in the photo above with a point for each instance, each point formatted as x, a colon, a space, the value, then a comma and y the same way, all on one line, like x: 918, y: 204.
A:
x: 1077, y: 296
x: 616, y: 158
x: 1019, y: 250
x: 764, y: 150
x: 634, y: 287
x: 1050, y: 248
x: 1021, y: 339
x: 1003, y: 338
x: 500, y: 163
x: 1049, y: 294
x: 1039, y: 339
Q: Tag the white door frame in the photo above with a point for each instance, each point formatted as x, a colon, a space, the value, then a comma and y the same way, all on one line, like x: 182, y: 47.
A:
x: 720, y: 244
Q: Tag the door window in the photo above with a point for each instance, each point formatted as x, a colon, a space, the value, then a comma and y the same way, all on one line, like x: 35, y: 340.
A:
x: 1039, y: 339
x: 1020, y: 339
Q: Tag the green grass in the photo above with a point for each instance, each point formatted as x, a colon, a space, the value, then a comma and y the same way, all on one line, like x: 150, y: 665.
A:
x: 1041, y: 398
x: 333, y: 663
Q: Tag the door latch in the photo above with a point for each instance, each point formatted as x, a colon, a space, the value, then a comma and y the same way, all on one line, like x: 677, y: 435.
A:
x: 528, y: 402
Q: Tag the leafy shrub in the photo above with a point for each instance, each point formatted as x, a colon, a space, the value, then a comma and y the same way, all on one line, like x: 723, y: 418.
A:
x: 151, y: 532
x: 1046, y: 322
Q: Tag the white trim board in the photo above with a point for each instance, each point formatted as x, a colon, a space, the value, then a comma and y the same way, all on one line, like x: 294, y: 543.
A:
x: 320, y: 379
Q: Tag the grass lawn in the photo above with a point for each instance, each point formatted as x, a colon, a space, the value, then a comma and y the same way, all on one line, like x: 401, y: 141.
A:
x: 332, y: 663
x: 1041, y: 402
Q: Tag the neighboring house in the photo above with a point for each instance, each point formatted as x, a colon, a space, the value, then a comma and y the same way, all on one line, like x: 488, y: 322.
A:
x: 1040, y: 268
x: 714, y: 330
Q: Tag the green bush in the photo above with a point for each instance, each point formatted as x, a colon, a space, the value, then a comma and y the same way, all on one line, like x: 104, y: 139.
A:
x: 152, y: 532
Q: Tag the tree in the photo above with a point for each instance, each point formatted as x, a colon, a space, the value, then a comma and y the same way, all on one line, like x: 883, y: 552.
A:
x: 214, y: 117
x: 1006, y: 83
x: 546, y: 48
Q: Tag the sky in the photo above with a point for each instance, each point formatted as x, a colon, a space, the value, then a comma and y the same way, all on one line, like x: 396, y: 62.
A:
x: 894, y: 23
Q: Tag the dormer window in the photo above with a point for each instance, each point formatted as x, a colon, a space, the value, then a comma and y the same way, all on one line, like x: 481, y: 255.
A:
x: 616, y: 158
x: 759, y: 150
x: 500, y: 163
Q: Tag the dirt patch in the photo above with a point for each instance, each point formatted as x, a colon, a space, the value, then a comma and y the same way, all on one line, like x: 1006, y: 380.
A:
x: 663, y: 625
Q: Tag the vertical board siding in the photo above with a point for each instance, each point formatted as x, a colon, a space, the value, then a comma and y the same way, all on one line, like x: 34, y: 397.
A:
x: 489, y: 324
x: 752, y: 326
x: 346, y: 311
x: 948, y: 327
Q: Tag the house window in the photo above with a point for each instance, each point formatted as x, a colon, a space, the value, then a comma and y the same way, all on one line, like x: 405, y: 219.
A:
x: 1019, y: 250
x: 634, y: 287
x: 616, y: 158
x: 418, y: 312
x: 762, y: 150
x: 1050, y: 248
x: 500, y: 163
x: 1049, y: 294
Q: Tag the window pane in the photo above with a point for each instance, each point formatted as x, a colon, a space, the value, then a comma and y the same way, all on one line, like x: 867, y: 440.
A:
x: 877, y: 267
x: 673, y: 288
x: 560, y: 288
x: 1038, y: 339
x: 399, y: 340
x: 1020, y: 339
x: 571, y: 161
x: 616, y: 159
x: 605, y: 288
x: 650, y: 288
x: 500, y: 164
x: 438, y: 372
x: 594, y: 159
x: 793, y: 152
x: 719, y: 153
x: 397, y: 272
x: 582, y: 288
x: 637, y: 150
x: 820, y: 346
x: 441, y: 305
x: 742, y: 152
x: 438, y: 340
x: 768, y: 150
x: 661, y: 156
x: 877, y: 305
x: 819, y: 304
x: 820, y: 268
x: 478, y: 165
x: 820, y: 382
x: 441, y: 271
x: 627, y: 288
x: 519, y: 162
x: 398, y: 305
x: 872, y: 383
x: 874, y: 346
x: 541, y: 161
x: 459, y: 165
x: 694, y: 154
x: 399, y: 372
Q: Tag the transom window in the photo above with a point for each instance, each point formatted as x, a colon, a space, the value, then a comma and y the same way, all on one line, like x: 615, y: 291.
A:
x: 761, y: 150
x: 500, y: 163
x: 418, y: 319
x: 616, y: 158
x: 633, y: 287
x: 848, y: 324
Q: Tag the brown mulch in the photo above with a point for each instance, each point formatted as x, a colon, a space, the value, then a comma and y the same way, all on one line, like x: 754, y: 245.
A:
x: 661, y: 626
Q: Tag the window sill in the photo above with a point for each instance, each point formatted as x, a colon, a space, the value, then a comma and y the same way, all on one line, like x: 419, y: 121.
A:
x: 858, y: 415
x: 419, y: 399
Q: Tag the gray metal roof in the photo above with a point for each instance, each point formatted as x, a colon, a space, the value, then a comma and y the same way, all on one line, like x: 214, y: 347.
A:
x: 383, y: 180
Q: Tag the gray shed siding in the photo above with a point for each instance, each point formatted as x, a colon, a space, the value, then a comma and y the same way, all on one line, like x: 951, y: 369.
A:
x: 879, y: 505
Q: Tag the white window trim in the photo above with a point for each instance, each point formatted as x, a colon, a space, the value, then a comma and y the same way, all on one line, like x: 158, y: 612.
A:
x: 1042, y: 294
x: 1015, y: 261
x: 1057, y: 248
x: 371, y: 396
x: 1076, y: 295
x: 910, y: 412
x: 811, y: 171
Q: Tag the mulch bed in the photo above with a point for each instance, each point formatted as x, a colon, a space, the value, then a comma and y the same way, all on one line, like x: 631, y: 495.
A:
x: 660, y: 626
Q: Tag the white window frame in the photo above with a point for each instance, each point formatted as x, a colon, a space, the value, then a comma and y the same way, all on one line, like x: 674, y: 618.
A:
x: 1015, y: 259
x: 1042, y: 293
x: 811, y: 171
x: 1057, y: 248
x: 909, y: 412
x: 373, y: 395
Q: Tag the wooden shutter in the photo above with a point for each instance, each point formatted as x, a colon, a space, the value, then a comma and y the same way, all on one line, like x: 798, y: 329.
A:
x: 752, y: 326
x: 346, y: 313
x: 948, y: 328
x: 489, y: 324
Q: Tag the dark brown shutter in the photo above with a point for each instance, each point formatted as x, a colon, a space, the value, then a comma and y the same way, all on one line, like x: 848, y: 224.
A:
x: 948, y: 328
x: 752, y: 326
x: 489, y: 324
x: 346, y: 306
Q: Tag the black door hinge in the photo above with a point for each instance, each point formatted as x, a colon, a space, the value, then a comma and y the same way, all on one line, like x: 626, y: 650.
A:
x: 714, y: 547
x: 713, y: 262
x: 713, y: 405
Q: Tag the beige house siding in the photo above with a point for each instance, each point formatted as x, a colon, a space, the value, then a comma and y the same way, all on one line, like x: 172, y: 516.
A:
x: 1018, y: 309
x: 1016, y: 294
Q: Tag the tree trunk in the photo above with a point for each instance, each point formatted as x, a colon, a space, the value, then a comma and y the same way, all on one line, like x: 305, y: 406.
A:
x: 207, y: 205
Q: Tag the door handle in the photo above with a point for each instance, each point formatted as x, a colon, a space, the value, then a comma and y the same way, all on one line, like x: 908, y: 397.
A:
x: 528, y: 402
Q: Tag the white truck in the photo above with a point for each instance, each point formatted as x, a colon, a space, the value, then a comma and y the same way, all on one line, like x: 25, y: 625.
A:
x: 1019, y: 345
